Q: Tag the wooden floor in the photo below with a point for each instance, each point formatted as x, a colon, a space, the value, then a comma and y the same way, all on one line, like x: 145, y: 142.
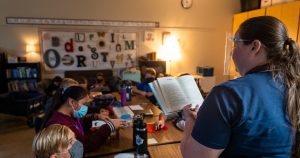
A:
x: 15, y: 137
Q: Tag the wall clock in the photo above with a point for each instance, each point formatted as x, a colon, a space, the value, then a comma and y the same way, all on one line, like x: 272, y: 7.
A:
x: 186, y: 4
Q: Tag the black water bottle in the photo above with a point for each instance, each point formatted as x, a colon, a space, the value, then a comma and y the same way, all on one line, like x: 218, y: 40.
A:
x: 141, y: 138
x: 136, y: 121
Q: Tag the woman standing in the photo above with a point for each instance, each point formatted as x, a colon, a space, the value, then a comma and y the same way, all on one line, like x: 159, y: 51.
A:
x: 258, y: 114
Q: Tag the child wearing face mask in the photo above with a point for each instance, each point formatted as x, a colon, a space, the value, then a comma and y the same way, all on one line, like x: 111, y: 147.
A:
x: 57, y: 141
x: 70, y: 110
x: 144, y: 89
x: 100, y: 85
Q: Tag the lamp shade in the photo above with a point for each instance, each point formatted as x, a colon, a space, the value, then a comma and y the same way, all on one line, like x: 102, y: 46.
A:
x: 171, y: 49
x: 30, y: 48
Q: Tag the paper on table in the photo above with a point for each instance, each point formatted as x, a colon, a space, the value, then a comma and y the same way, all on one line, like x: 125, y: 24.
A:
x: 136, y: 107
x: 124, y: 155
x: 152, y: 141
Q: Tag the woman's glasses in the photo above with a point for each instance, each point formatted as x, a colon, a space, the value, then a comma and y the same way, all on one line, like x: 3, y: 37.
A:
x: 235, y: 40
x: 229, y: 46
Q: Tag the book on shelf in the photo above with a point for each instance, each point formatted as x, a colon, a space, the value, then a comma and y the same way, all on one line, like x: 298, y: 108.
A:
x: 28, y: 70
x: 172, y: 93
x: 8, y: 73
x: 28, y: 85
x: 15, y: 73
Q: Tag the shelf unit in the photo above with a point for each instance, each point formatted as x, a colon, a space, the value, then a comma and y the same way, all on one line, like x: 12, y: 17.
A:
x: 20, y: 77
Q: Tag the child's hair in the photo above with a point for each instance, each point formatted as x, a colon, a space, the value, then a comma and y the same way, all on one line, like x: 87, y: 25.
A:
x: 183, y: 74
x: 99, y: 74
x: 57, y: 79
x: 68, y: 82
x: 150, y: 71
x: 81, y: 80
x: 51, y: 140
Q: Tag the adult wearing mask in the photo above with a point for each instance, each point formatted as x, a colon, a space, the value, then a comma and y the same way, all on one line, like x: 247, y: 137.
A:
x: 70, y: 110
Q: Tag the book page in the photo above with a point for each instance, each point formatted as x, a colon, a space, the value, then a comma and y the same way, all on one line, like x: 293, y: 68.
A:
x: 158, y: 95
x: 190, y: 88
x: 174, y: 96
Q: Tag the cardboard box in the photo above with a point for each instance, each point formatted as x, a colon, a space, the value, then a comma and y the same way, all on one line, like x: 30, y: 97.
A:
x: 275, y: 2
x: 265, y: 3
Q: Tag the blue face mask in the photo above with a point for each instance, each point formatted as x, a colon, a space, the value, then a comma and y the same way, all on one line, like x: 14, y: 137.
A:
x: 76, y: 150
x: 81, y: 112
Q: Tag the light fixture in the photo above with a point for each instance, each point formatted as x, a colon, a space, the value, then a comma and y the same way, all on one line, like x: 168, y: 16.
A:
x: 32, y: 54
x: 170, y: 50
x: 31, y: 48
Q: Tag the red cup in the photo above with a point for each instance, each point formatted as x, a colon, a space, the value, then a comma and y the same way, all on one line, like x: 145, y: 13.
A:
x: 150, y: 128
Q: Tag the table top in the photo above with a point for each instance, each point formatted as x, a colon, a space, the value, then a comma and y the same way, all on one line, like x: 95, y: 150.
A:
x: 165, y: 151
x: 124, y: 142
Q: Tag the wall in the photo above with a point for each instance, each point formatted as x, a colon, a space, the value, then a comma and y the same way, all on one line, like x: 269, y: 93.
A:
x: 200, y: 29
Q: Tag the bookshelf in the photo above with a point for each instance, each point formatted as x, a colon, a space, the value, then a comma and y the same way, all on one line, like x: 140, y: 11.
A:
x: 21, y: 77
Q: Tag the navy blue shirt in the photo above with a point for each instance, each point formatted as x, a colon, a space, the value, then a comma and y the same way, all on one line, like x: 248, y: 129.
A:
x: 144, y: 86
x: 246, y: 117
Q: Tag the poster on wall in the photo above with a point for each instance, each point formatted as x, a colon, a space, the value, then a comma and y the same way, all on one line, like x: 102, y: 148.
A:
x: 88, y: 50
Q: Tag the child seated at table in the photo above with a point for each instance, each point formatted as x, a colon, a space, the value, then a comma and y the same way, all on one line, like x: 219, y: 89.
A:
x: 100, y: 84
x: 70, y: 110
x: 57, y: 141
x: 145, y: 90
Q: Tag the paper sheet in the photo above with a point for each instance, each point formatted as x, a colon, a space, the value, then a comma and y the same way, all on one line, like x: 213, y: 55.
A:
x: 136, y: 107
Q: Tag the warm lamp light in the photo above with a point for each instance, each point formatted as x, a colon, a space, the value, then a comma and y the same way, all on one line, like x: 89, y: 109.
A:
x: 30, y: 48
x: 170, y: 50
x: 32, y: 53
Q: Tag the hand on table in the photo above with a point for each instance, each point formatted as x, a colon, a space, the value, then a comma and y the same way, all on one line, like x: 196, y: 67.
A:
x: 118, y: 123
x: 149, y: 94
x: 94, y: 94
x: 161, y: 124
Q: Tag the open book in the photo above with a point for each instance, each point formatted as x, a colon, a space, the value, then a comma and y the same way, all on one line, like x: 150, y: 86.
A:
x: 172, y: 94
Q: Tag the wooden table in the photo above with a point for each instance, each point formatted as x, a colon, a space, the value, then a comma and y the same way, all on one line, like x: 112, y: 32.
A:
x: 165, y: 151
x: 160, y: 151
x: 124, y: 142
